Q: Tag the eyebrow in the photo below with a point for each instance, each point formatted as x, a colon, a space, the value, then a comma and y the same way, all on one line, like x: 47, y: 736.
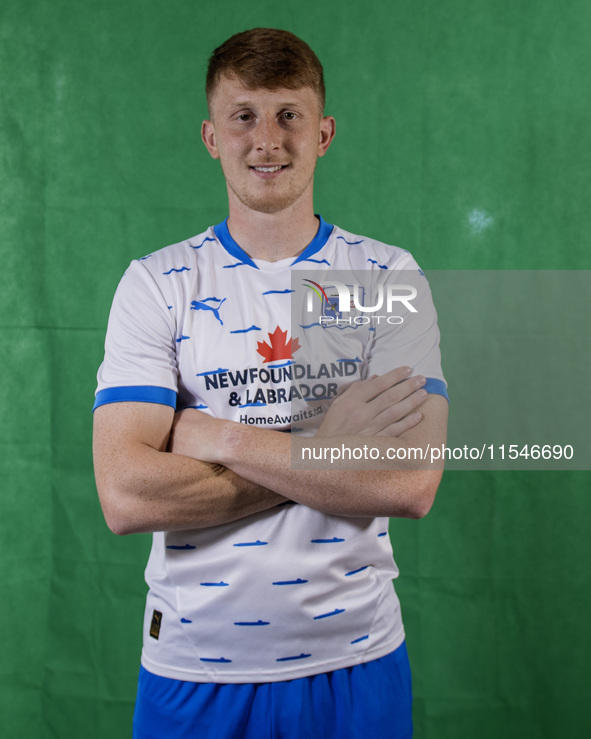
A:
x: 250, y: 104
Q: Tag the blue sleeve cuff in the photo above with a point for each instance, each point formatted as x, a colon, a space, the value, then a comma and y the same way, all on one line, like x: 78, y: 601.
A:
x: 136, y: 393
x: 436, y: 387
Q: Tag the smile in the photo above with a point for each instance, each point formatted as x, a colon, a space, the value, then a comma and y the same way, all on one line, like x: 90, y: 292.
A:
x: 276, y: 168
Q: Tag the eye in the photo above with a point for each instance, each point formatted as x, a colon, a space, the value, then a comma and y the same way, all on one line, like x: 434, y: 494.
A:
x: 244, y: 117
x: 289, y: 115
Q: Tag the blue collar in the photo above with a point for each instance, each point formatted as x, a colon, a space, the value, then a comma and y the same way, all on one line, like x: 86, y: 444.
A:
x: 226, y: 240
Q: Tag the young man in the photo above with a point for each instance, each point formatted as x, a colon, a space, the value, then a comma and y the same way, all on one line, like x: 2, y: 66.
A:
x: 271, y: 610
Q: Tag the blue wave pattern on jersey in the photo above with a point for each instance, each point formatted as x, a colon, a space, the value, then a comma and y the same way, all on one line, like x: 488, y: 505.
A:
x: 252, y: 623
x: 218, y: 371
x: 186, y: 547
x: 246, y: 330
x: 203, y: 305
x: 299, y: 581
x: 310, y: 325
x: 182, y: 269
x: 381, y: 266
x: 354, y: 572
x: 334, y: 540
x: 336, y: 612
x: 237, y: 264
x: 279, y: 292
x: 182, y: 338
x: 316, y: 261
x: 256, y: 543
x: 198, y: 246
x: 350, y: 243
x: 288, y: 659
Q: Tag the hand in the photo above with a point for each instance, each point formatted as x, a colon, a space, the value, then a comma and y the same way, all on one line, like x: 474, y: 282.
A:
x: 382, y: 405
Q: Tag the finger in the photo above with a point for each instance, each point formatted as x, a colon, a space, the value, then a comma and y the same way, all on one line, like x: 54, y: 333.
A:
x: 358, y: 391
x: 395, y: 395
x: 369, y: 418
x: 396, y: 412
x: 369, y: 389
x: 398, y: 428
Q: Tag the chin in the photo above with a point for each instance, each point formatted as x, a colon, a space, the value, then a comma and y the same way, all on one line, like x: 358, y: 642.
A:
x: 268, y: 205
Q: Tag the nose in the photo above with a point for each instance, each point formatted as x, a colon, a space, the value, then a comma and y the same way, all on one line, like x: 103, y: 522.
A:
x: 267, y: 135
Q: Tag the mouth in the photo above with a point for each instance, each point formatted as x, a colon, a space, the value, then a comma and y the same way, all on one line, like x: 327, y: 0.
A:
x: 269, y: 168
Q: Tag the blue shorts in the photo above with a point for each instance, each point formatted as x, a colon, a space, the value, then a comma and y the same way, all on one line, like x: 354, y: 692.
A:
x: 369, y: 700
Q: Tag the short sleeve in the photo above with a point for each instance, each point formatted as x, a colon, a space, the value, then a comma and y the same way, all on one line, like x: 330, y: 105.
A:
x: 408, y: 334
x: 140, y: 361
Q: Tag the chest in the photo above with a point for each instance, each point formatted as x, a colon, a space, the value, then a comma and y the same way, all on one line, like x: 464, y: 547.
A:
x: 246, y: 353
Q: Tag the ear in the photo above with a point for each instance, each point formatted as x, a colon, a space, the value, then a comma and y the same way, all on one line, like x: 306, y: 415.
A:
x: 208, y: 138
x: 327, y: 132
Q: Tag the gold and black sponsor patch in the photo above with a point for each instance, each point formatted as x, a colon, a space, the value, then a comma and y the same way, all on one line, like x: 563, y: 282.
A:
x: 156, y: 624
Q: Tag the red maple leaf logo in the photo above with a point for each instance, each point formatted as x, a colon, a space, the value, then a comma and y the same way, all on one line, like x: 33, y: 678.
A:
x: 279, y: 348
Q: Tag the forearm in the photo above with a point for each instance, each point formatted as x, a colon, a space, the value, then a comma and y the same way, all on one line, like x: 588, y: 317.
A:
x: 265, y: 458
x: 145, y: 489
x: 174, y: 493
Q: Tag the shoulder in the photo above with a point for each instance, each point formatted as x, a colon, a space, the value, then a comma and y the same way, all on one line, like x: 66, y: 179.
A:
x: 372, y: 253
x: 176, y: 259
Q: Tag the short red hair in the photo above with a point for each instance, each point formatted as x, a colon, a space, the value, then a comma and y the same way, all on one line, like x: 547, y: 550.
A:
x: 268, y: 58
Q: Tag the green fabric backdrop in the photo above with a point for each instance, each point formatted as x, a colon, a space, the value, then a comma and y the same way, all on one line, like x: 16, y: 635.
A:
x: 463, y: 134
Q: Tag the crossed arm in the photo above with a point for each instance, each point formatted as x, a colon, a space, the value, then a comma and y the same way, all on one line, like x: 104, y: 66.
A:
x: 158, y: 472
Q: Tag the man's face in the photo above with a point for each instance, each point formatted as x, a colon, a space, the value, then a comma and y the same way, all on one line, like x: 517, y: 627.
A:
x: 268, y: 142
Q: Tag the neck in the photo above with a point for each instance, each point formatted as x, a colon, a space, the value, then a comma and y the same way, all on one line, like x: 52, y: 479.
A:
x: 272, y: 236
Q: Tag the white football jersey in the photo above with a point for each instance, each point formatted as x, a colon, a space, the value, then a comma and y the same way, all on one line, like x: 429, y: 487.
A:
x: 288, y: 592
